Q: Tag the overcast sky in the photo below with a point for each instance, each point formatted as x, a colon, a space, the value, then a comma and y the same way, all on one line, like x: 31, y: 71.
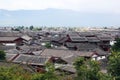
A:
x: 92, y: 6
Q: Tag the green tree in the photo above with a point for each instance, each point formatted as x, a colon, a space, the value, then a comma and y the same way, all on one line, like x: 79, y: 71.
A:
x: 116, y: 46
x: 114, y: 60
x: 114, y: 65
x: 16, y: 29
x: 105, y: 76
x: 38, y: 76
x: 86, y: 70
x: 105, y: 27
x: 39, y: 29
x: 49, y: 75
x: 48, y: 45
x: 22, y: 27
x: 12, y: 29
x: 31, y: 27
x: 14, y: 73
x: 2, y: 55
x: 26, y: 28
x: 89, y: 70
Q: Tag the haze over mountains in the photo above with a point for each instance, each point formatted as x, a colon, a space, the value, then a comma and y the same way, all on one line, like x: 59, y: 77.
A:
x: 57, y: 17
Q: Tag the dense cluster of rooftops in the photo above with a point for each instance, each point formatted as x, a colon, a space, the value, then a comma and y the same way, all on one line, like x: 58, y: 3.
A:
x: 29, y: 47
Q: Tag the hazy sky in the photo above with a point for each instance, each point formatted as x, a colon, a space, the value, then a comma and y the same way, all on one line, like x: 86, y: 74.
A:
x: 92, y: 6
x: 77, y: 13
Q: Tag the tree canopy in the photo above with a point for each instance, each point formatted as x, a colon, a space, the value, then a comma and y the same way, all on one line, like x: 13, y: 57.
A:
x: 89, y: 70
x: 114, y: 65
x: 31, y: 27
x: 2, y: 55
x: 14, y: 73
x: 17, y: 72
x: 116, y: 46
x: 48, y: 45
x: 114, y: 60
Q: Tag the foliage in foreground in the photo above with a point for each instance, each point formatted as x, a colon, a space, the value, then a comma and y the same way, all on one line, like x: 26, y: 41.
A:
x: 89, y: 70
x: 114, y: 65
x: 114, y: 60
x: 16, y: 72
x: 86, y: 70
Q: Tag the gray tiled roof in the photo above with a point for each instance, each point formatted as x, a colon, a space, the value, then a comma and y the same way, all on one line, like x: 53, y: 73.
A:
x: 100, y: 52
x: 31, y: 47
x: 68, y: 68
x: 86, y: 34
x: 74, y: 36
x: 7, y: 47
x: 8, y: 38
x: 31, y: 59
x: 81, y: 46
x: 13, y: 51
x: 104, y: 37
x: 10, y: 56
x: 10, y: 34
x: 65, y: 53
x: 78, y: 39
x: 92, y: 39
x: 26, y: 37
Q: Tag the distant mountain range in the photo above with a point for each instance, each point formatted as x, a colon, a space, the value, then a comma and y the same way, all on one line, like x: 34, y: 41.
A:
x: 57, y: 17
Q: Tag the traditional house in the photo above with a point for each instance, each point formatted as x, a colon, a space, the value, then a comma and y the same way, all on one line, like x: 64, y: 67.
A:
x: 9, y: 40
x: 67, y: 69
x: 104, y: 42
x: 81, y: 46
x: 75, y: 38
x: 99, y: 54
x: 32, y: 60
x: 11, y: 56
x: 86, y: 34
x: 69, y: 56
x: 93, y: 40
x: 26, y: 39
